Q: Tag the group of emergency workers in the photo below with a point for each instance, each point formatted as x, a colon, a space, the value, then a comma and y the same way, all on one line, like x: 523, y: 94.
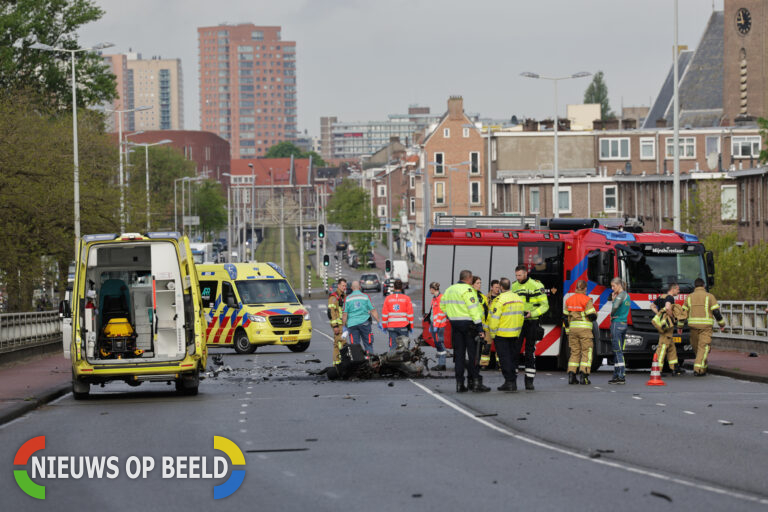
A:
x: 352, y: 314
x: 508, y: 316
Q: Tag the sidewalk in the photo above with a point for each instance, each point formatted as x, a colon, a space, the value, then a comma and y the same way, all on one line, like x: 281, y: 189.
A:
x: 30, y: 383
x: 735, y: 364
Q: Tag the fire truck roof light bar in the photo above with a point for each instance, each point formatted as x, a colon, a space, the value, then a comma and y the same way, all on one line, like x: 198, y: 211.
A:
x: 687, y: 236
x: 616, y: 236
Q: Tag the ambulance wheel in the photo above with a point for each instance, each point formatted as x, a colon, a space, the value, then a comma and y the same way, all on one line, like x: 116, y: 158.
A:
x: 243, y: 344
x: 188, y: 384
x: 80, y: 389
x: 299, y: 347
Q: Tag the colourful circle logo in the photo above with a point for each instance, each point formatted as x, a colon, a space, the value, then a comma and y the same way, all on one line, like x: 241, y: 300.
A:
x: 22, y: 477
x: 238, y: 475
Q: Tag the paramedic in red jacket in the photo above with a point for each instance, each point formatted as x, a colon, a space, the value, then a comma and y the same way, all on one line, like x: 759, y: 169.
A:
x: 397, y: 314
x: 437, y: 323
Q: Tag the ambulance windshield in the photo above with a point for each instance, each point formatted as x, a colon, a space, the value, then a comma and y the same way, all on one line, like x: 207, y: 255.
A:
x: 653, y: 273
x: 265, y: 291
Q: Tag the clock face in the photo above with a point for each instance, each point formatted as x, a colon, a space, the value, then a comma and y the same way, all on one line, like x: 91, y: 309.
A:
x: 743, y: 21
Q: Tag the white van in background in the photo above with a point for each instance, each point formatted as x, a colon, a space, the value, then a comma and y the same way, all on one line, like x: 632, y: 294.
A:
x: 400, y: 271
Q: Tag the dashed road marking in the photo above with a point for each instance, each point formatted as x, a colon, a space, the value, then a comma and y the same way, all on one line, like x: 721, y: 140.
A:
x: 623, y: 466
x: 243, y: 405
x: 725, y: 422
x: 249, y: 392
x: 765, y: 431
x: 689, y: 412
x: 597, y: 387
x: 243, y: 430
x: 243, y: 412
x: 637, y: 397
x: 242, y: 420
x: 661, y: 405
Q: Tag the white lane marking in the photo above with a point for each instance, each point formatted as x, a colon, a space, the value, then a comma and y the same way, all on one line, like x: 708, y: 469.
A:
x: 243, y: 405
x: 765, y: 431
x: 586, y: 458
x: 62, y: 397
x: 249, y: 392
x: 321, y: 332
x: 689, y: 412
x: 661, y: 405
x: 725, y: 422
x: 597, y: 387
x: 242, y: 420
x: 243, y: 430
x: 243, y: 412
x: 637, y: 397
x: 250, y: 387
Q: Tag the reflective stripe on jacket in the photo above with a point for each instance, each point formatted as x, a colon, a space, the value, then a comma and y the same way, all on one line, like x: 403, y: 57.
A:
x: 335, y: 308
x: 533, y: 295
x: 579, y: 306
x: 700, y: 305
x: 507, y: 315
x: 438, y: 317
x: 397, y: 311
x: 459, y: 302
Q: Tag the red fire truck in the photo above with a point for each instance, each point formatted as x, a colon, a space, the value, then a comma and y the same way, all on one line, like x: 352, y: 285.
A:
x: 568, y: 250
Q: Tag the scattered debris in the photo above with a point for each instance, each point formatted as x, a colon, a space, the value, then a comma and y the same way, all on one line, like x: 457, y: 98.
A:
x: 753, y: 354
x: 312, y: 361
x: 315, y: 396
x: 415, y: 495
x: 600, y: 450
x: 486, y: 415
x: 390, y: 384
x: 218, y: 359
x: 311, y: 440
x: 403, y: 405
x: 594, y: 455
x: 661, y: 495
x: 522, y: 418
x: 725, y: 422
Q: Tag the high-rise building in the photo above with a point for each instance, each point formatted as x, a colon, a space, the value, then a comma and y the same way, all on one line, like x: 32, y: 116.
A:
x: 156, y: 83
x: 247, y: 86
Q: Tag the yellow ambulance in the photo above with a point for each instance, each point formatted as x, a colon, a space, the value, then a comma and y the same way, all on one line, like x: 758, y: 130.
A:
x: 135, y: 313
x: 252, y: 304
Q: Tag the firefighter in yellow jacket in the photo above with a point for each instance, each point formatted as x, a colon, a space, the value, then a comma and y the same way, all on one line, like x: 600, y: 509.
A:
x: 701, y: 307
x: 668, y: 315
x: 505, y: 325
x: 335, y: 309
x: 579, y: 315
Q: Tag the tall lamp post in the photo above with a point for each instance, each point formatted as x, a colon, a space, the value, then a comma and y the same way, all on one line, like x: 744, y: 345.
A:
x: 120, y: 156
x: 100, y: 46
x: 555, y: 79
x: 146, y: 168
x: 253, y: 220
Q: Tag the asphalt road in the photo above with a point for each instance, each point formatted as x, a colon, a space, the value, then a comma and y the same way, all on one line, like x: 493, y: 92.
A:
x: 312, y: 444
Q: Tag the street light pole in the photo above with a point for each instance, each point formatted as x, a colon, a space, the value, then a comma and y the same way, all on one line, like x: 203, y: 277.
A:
x: 676, y: 136
x: 556, y: 169
x: 75, y: 152
x: 146, y: 169
x: 253, y: 219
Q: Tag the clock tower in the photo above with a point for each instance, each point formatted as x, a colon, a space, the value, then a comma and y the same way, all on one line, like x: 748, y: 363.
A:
x: 745, y: 60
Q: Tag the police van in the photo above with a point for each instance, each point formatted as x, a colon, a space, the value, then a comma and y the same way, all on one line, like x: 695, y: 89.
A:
x: 135, y: 312
x: 252, y: 304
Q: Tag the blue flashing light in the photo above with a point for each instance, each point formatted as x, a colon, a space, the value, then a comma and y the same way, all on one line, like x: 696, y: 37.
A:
x: 164, y: 234
x: 231, y: 270
x: 616, y: 236
x: 687, y: 236
x: 277, y: 268
x: 99, y: 238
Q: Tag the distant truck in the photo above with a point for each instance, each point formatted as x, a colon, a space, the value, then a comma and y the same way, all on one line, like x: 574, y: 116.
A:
x: 202, y: 252
x: 400, y: 271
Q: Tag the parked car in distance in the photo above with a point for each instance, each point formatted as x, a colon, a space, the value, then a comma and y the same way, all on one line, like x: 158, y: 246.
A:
x: 353, y: 260
x: 370, y: 282
x: 370, y: 261
x: 388, y: 286
x: 341, y: 246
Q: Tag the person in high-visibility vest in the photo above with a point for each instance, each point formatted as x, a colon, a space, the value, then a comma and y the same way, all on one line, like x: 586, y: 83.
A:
x: 668, y: 314
x: 579, y: 314
x: 485, y: 348
x: 460, y: 305
x: 702, y: 306
x: 335, y: 310
x: 505, y: 325
x: 437, y: 323
x: 397, y: 314
x: 536, y: 304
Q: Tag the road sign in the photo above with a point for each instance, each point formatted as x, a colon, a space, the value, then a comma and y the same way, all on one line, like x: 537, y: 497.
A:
x: 190, y: 220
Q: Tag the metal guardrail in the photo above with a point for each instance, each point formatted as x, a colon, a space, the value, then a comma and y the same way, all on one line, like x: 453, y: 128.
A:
x: 744, y: 320
x: 24, y: 330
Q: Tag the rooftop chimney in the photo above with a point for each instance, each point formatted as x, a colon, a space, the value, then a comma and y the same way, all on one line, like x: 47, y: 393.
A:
x: 455, y: 107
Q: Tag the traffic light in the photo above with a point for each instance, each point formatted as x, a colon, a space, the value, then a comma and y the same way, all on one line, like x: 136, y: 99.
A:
x: 321, y: 231
x: 388, y: 266
x: 326, y: 259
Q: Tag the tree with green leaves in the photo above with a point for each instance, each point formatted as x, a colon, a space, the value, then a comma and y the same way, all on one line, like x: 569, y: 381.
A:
x: 285, y: 149
x: 54, y: 23
x: 212, y: 207
x: 350, y: 208
x: 597, y: 92
x: 762, y: 123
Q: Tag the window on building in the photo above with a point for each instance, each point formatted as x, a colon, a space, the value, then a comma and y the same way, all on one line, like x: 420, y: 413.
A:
x: 614, y: 148
x: 712, y: 143
x: 413, y: 206
x: 440, y: 193
x: 382, y: 191
x: 465, y: 132
x: 744, y: 202
x: 687, y: 147
x: 412, y: 182
x: 474, y: 161
x: 381, y: 210
x: 493, y: 150
x: 447, y: 133
x: 474, y: 192
x: 534, y: 200
x: 647, y: 148
x: 257, y: 35
x: 610, y: 198
x: 564, y: 200
x: 439, y: 163
x: 745, y: 147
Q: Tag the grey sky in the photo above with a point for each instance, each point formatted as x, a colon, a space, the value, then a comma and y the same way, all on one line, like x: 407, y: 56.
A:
x: 362, y: 59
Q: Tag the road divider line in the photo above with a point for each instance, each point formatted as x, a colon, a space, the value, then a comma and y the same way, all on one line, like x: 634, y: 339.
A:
x: 689, y: 412
x: 616, y: 465
x: 661, y: 405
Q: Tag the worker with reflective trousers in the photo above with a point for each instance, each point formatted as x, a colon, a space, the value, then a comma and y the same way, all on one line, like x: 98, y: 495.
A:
x: 536, y: 304
x: 579, y: 315
x: 701, y: 306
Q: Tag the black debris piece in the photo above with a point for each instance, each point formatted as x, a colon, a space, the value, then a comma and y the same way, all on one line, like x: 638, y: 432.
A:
x: 486, y: 415
x: 661, y: 495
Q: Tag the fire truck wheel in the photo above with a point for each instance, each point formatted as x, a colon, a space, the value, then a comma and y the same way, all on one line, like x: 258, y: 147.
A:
x: 80, y: 389
x: 243, y: 344
x: 299, y: 347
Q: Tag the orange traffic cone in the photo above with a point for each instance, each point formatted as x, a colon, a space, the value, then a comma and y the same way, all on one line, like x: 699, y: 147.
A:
x: 655, y: 379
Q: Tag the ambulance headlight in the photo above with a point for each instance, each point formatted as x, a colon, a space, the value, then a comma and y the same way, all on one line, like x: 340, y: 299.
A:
x: 257, y: 318
x: 306, y: 317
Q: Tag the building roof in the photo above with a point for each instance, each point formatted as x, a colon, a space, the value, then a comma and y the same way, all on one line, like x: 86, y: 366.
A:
x: 700, y: 75
x: 274, y: 172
